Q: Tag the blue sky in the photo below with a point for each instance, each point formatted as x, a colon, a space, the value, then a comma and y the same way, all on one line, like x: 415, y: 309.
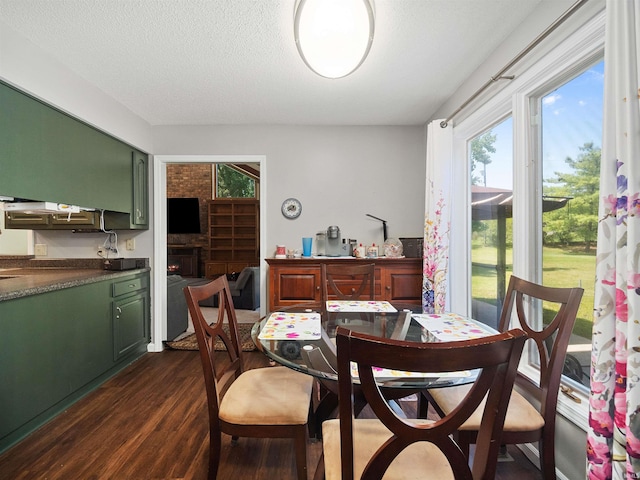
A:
x: 571, y: 116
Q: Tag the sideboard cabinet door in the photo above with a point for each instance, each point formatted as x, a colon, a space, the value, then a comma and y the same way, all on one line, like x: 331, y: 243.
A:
x: 402, y: 284
x: 293, y: 285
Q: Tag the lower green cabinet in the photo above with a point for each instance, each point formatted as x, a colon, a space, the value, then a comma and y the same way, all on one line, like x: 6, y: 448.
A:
x: 58, y: 346
x: 130, y: 325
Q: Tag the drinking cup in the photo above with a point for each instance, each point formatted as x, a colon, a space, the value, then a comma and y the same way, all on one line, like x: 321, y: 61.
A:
x: 306, y: 246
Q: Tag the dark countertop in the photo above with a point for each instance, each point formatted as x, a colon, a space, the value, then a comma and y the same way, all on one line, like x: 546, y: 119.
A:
x: 32, y: 277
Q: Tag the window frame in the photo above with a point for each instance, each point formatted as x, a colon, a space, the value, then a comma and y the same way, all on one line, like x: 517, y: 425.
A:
x: 562, y: 62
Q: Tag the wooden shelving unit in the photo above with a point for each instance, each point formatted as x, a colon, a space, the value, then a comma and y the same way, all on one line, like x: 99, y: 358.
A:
x: 234, y: 236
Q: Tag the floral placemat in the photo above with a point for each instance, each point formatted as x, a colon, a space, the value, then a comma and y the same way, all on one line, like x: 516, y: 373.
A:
x: 447, y: 327
x: 292, y: 326
x: 359, y: 306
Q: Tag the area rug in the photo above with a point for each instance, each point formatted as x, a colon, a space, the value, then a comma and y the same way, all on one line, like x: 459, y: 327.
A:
x: 191, y: 343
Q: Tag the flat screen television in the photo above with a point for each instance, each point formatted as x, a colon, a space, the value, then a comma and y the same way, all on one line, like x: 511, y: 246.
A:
x: 183, y: 215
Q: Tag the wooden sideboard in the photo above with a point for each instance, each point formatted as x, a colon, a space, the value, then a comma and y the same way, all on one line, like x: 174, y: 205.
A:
x: 294, y: 281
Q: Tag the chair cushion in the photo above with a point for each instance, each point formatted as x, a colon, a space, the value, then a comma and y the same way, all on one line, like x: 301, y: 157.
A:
x: 268, y: 396
x: 419, y: 460
x: 521, y: 415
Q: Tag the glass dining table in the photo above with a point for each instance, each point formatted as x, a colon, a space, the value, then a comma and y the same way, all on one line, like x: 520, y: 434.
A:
x: 303, y: 338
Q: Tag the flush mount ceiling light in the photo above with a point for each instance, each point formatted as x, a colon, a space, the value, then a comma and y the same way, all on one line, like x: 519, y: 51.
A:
x: 334, y: 36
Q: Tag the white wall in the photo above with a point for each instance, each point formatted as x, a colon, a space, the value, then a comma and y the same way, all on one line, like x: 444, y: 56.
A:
x: 14, y: 242
x: 338, y: 173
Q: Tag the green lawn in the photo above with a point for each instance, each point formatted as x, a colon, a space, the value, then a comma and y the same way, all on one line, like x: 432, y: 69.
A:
x: 562, y: 267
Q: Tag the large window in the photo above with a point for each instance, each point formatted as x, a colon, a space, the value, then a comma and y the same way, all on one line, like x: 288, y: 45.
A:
x: 544, y: 156
x: 571, y: 140
x: 530, y: 189
x: 491, y: 156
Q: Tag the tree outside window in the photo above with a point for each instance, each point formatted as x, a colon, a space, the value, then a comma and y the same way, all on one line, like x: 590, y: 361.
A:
x: 232, y: 183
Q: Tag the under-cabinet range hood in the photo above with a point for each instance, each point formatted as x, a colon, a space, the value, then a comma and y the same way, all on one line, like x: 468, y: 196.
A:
x: 41, y: 207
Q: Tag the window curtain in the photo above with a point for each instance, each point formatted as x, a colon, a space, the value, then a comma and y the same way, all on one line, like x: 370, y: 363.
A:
x: 437, y: 219
x: 613, y: 443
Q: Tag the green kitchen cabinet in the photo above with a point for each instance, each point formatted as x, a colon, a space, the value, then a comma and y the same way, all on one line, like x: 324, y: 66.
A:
x: 60, y: 345
x: 129, y: 318
x: 140, y: 208
x: 47, y: 155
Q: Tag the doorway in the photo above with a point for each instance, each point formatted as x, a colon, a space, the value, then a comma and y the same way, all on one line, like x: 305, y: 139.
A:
x: 159, y: 302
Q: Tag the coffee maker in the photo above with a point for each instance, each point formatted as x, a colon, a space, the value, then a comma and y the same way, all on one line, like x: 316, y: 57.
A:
x: 334, y: 244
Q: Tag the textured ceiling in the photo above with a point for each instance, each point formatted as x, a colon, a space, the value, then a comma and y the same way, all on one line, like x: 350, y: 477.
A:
x: 200, y: 62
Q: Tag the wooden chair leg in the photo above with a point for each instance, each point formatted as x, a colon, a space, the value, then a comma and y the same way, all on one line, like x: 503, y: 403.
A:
x: 301, y: 439
x: 464, y: 441
x: 312, y: 427
x: 325, y: 409
x: 546, y: 447
x: 319, y: 473
x: 423, y: 405
x: 215, y: 445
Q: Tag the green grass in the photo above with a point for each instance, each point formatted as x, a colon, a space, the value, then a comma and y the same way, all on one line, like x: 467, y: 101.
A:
x: 562, y: 268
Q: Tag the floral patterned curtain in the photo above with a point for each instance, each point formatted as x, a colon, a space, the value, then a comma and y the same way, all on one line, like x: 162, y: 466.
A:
x: 613, y: 445
x: 437, y: 217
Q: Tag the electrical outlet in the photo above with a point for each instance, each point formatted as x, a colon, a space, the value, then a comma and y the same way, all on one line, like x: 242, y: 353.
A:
x: 40, y: 249
x: 102, y: 250
x: 131, y: 244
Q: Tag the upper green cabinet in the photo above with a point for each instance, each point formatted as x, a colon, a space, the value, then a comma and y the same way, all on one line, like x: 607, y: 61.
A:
x: 140, y: 213
x: 47, y: 155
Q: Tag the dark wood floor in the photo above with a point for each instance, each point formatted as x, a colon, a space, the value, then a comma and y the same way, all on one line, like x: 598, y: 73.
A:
x: 150, y: 422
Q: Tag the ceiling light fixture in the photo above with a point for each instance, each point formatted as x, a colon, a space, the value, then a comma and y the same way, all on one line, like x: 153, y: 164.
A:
x: 334, y: 36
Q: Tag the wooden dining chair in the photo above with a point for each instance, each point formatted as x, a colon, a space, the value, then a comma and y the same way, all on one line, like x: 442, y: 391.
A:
x: 393, y: 447
x: 526, y: 422
x: 271, y: 402
x: 338, y: 282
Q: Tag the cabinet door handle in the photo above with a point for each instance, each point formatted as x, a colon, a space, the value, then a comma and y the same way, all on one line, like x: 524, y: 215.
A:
x: 388, y: 287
